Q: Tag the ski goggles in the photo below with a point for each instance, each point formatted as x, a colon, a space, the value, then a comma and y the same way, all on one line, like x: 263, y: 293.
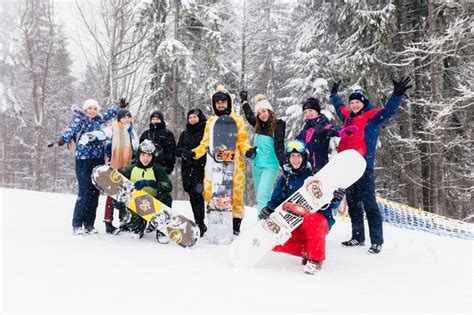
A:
x: 295, y: 146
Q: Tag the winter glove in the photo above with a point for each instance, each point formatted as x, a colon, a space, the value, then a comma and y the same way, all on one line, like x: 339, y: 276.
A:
x: 60, y: 142
x: 265, y: 213
x: 123, y: 102
x: 243, y: 96
x: 338, y: 195
x: 400, y: 87
x: 347, y: 131
x: 335, y: 88
x: 187, y: 155
x: 144, y: 183
x: 251, y: 153
x: 331, y: 130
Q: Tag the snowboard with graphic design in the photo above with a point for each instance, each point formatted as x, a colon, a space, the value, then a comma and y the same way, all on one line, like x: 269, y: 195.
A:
x: 221, y: 155
x: 317, y: 191
x: 179, y: 229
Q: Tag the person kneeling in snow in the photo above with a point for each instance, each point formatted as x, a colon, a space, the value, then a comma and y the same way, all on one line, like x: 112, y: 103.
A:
x: 151, y: 178
x: 309, y: 239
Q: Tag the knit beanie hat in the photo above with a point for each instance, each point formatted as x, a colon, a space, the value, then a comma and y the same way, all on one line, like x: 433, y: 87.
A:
x: 90, y: 103
x: 312, y: 103
x: 263, y: 104
x: 358, y: 94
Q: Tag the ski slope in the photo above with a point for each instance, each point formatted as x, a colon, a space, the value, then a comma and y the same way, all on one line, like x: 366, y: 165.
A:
x: 47, y: 269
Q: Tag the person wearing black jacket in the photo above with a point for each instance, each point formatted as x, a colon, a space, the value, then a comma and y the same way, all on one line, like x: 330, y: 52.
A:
x: 163, y: 139
x: 192, y: 171
x: 269, y: 138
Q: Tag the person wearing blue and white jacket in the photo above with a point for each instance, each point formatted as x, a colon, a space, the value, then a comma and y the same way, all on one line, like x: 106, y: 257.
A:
x: 88, y: 156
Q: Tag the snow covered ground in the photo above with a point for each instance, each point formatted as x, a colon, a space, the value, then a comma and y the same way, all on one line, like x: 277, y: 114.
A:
x: 47, y: 269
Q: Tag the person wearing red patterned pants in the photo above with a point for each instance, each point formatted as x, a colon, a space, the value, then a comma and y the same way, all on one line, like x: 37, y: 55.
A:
x: 309, y: 239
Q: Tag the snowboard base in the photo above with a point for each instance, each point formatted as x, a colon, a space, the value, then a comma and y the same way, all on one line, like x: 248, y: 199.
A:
x: 219, y: 227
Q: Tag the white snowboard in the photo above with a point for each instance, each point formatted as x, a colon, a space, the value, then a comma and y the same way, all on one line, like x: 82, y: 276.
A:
x: 254, y: 243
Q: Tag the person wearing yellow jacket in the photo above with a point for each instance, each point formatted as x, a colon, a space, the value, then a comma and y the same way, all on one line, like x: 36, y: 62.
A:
x: 222, y: 104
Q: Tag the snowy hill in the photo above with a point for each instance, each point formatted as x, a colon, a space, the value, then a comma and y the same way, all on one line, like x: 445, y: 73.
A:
x: 47, y: 269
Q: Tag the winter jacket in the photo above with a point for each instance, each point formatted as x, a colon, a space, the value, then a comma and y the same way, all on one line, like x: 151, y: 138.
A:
x: 81, y: 124
x: 278, y: 132
x: 289, y: 183
x: 368, y: 120
x: 192, y: 171
x: 317, y: 140
x: 163, y: 188
x: 164, y: 141
x: 242, y: 146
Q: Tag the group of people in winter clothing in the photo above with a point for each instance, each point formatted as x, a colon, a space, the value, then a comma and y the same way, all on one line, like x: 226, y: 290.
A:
x: 149, y: 160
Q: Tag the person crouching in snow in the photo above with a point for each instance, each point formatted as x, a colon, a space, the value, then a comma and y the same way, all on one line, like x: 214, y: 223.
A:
x: 88, y: 155
x: 121, y: 150
x: 152, y: 178
x: 309, y: 239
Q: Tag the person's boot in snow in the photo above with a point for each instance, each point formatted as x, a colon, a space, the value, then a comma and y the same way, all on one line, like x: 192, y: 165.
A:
x: 161, y: 238
x: 375, y: 249
x: 202, y: 229
x: 110, y: 228
x: 352, y: 242
x: 312, y: 267
x: 77, y: 230
x: 91, y: 230
x: 236, y: 224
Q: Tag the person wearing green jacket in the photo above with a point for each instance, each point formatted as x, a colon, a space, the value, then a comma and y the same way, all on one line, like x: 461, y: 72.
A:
x: 152, y: 178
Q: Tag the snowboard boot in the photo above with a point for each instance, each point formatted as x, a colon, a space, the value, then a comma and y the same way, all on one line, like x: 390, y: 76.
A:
x: 236, y: 224
x: 91, y: 230
x: 161, y: 237
x: 110, y: 228
x: 77, y: 230
x: 202, y: 229
x: 375, y: 249
x: 312, y: 267
x: 304, y: 261
x: 352, y: 242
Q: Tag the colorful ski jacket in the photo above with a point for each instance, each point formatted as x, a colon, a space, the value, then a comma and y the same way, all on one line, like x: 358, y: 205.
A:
x: 242, y: 146
x: 81, y: 124
x: 289, y: 183
x: 163, y: 188
x: 317, y: 140
x: 266, y: 152
x: 369, y: 121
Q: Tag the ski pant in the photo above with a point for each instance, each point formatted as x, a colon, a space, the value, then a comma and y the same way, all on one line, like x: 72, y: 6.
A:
x: 197, y: 204
x: 110, y: 205
x: 361, y: 197
x: 263, y: 181
x: 309, y: 239
x: 88, y: 196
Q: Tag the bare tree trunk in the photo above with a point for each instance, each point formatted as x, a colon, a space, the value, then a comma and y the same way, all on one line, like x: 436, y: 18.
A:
x: 4, y: 154
x: 437, y: 179
x: 243, y: 47
x: 406, y: 127
x: 419, y: 113
x: 175, y: 112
